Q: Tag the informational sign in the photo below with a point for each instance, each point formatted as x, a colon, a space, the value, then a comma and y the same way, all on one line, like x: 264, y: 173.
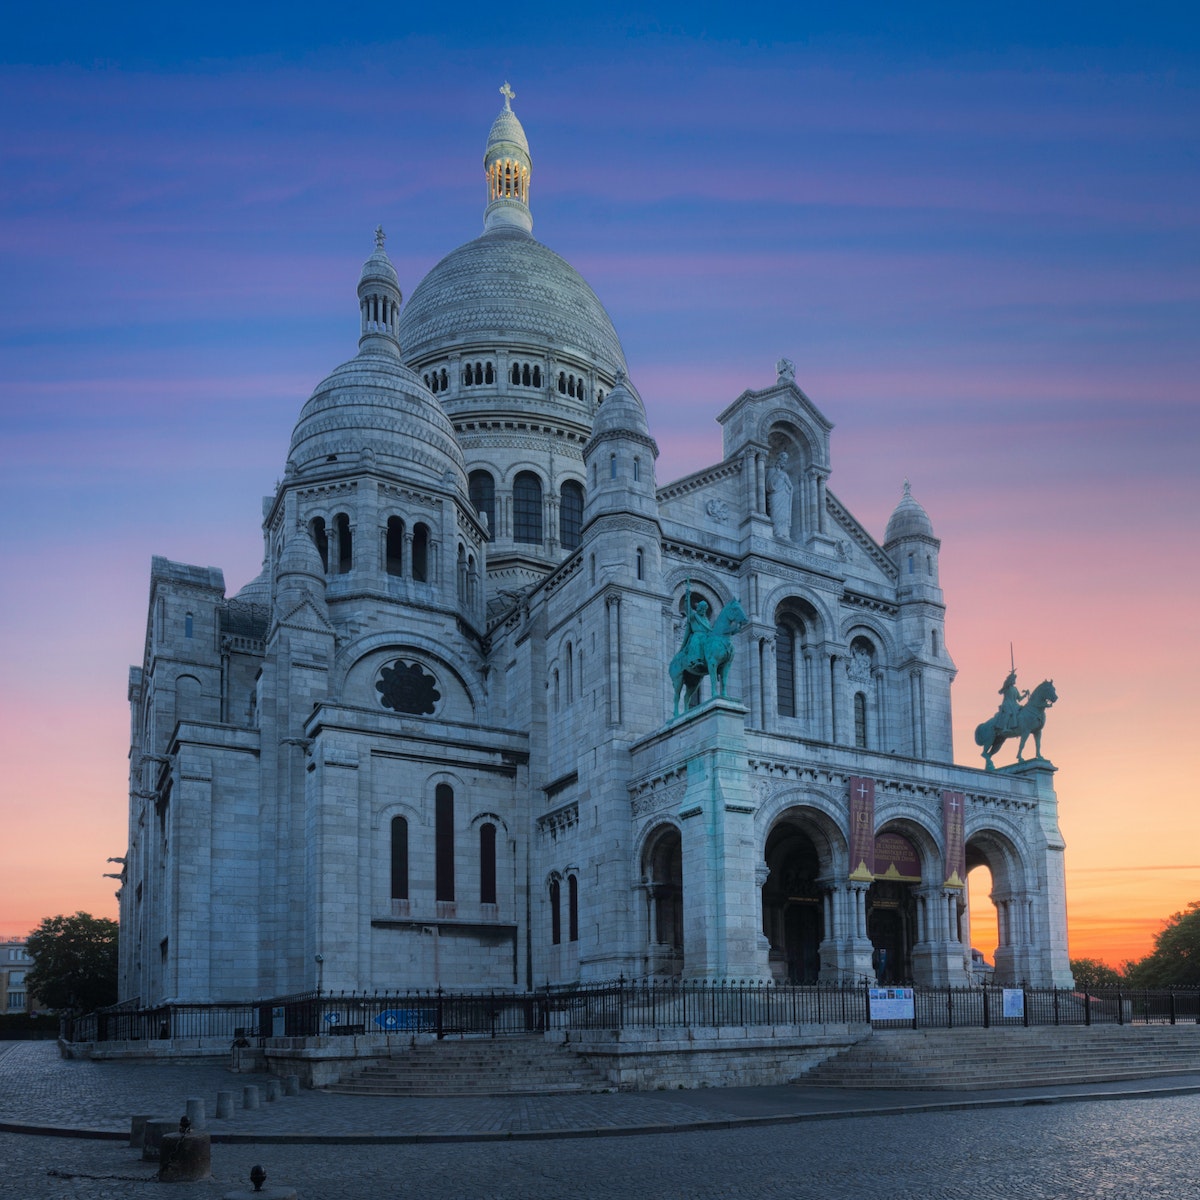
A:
x: 896, y: 858
x: 892, y: 1004
x: 1014, y: 1002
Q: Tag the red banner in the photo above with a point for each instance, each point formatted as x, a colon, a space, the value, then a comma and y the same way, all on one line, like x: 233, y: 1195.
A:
x: 896, y: 858
x: 862, y: 828
x: 956, y: 846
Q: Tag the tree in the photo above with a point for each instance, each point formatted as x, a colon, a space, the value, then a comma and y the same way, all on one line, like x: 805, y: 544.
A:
x: 74, y: 962
x: 1091, y: 973
x: 1175, y: 959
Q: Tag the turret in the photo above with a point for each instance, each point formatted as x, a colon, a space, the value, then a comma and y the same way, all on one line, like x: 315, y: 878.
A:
x: 508, y: 168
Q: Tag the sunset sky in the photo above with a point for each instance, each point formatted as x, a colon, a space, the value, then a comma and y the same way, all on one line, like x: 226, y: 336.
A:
x: 978, y: 236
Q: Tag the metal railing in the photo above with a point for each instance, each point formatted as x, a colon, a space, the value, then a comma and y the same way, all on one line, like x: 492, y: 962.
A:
x: 646, y: 1004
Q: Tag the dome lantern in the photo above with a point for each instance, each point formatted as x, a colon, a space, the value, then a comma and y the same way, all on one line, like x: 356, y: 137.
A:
x: 508, y: 167
x: 379, y: 300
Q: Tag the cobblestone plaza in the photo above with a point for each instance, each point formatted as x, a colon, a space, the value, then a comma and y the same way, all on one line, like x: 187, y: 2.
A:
x: 791, y: 1141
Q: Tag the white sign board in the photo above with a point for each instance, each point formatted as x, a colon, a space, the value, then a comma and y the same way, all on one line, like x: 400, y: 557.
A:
x: 892, y: 1004
x: 1014, y: 1002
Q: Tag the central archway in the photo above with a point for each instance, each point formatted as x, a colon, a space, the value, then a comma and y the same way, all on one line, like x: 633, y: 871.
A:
x: 793, y: 916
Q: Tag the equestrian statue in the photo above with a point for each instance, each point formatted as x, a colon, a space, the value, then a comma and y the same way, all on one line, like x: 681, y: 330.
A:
x: 1016, y: 719
x: 707, y: 649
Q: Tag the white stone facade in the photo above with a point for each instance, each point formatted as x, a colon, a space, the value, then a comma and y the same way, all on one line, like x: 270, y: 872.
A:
x: 433, y: 743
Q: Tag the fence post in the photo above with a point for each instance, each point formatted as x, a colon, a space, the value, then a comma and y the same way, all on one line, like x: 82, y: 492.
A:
x: 1120, y: 1008
x: 867, y: 994
x: 987, y: 1016
x: 1056, y: 1006
x: 949, y: 1008
x: 621, y: 1001
x: 1172, y: 993
x: 437, y: 1019
x: 492, y: 1011
x: 1025, y: 1006
x: 1087, y: 1007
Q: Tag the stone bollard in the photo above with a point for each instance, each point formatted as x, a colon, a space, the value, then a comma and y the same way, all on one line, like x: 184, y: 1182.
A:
x: 273, y: 1090
x: 258, y: 1178
x: 291, y: 1085
x: 185, y: 1157
x: 137, y: 1131
x: 250, y: 1096
x: 155, y: 1130
x: 195, y: 1112
x: 224, y: 1106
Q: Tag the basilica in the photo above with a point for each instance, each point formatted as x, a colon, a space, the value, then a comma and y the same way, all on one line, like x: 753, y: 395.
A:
x: 502, y: 709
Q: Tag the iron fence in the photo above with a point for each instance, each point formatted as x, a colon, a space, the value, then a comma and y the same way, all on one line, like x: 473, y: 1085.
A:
x: 645, y: 1004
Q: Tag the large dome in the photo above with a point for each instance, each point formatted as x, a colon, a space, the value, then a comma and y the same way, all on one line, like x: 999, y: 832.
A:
x: 375, y: 409
x: 507, y: 288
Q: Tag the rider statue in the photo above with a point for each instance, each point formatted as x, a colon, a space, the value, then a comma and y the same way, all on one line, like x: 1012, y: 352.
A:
x: 1010, y: 705
x: 698, y: 625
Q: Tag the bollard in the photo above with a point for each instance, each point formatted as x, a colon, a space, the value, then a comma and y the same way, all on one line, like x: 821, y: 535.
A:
x: 250, y: 1096
x: 185, y: 1158
x: 195, y: 1112
x: 273, y: 1092
x: 224, y: 1106
x: 291, y: 1085
x: 137, y: 1131
x: 156, y: 1129
x: 258, y: 1177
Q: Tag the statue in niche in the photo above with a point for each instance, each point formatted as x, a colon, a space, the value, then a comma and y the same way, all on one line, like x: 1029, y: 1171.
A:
x: 779, y: 497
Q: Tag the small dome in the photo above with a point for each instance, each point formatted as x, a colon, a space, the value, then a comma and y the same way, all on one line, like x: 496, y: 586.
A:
x: 621, y: 412
x: 258, y: 590
x: 379, y: 267
x: 506, y: 130
x: 909, y: 519
x: 301, y: 558
x: 375, y: 404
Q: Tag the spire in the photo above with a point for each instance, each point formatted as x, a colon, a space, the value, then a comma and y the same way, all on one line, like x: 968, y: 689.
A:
x: 379, y: 301
x: 507, y: 166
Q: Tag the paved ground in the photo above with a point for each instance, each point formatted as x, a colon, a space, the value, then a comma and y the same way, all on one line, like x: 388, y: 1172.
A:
x: 761, y: 1142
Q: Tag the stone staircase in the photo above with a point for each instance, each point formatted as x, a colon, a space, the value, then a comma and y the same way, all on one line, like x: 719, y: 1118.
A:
x: 475, y: 1067
x: 955, y: 1059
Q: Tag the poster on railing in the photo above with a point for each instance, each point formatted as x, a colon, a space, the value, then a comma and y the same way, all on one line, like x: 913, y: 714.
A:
x: 892, y: 1004
x: 1014, y: 1002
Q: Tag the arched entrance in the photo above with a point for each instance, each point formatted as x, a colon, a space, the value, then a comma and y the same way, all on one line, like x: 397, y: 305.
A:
x: 793, y: 917
x: 662, y: 871
x: 892, y: 923
x: 1014, y: 932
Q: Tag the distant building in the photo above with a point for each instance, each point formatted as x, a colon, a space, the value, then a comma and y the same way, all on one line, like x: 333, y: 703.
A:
x: 434, y: 741
x: 14, y: 965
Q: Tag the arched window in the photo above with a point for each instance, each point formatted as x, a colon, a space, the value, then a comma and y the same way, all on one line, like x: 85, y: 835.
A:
x: 527, y: 508
x: 911, y: 568
x: 555, y: 912
x: 570, y: 515
x: 562, y: 382
x: 641, y: 563
x: 444, y: 841
x: 482, y: 489
x: 860, y: 720
x: 420, y: 553
x: 933, y: 642
x: 189, y: 625
x: 557, y: 691
x: 637, y: 469
x: 516, y: 373
x: 525, y: 375
x: 393, y: 561
x: 785, y: 669
x: 487, y: 864
x: 399, y: 859
x: 320, y: 537
x: 345, y: 544
x: 468, y: 375
x: 570, y: 673
x: 573, y: 908
x: 445, y: 380
x: 929, y: 564
x: 462, y: 574
x: 537, y: 376
x: 489, y: 376
x: 612, y: 466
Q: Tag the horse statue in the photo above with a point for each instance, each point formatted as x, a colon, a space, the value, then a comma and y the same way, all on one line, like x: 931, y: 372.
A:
x: 1031, y: 719
x: 707, y: 652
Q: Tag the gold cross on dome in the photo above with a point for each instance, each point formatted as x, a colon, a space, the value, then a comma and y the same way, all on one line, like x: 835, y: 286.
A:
x: 508, y: 94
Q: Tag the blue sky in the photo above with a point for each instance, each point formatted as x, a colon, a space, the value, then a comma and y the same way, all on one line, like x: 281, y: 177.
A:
x: 974, y: 228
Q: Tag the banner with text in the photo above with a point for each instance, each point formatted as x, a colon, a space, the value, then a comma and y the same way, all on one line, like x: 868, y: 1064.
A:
x: 862, y: 828
x: 956, y: 846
